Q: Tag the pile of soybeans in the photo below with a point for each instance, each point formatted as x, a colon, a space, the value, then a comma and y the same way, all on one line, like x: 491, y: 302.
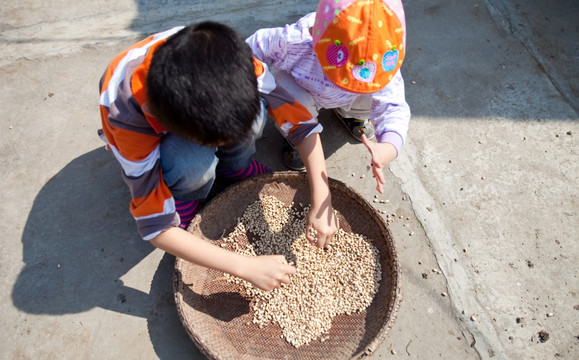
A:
x: 341, y: 279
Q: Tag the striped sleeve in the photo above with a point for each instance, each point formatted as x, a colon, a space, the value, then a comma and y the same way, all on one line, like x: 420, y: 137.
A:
x: 134, y: 136
x: 293, y: 120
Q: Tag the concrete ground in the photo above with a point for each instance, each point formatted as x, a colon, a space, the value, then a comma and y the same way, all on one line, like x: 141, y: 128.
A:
x: 488, y: 182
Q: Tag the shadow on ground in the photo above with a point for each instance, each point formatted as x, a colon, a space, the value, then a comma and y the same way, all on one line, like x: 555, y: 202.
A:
x: 79, y: 240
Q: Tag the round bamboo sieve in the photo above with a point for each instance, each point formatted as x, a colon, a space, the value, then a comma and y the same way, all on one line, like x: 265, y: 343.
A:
x: 218, y: 318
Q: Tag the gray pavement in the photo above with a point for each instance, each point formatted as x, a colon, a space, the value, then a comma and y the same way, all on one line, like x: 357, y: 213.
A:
x: 488, y: 182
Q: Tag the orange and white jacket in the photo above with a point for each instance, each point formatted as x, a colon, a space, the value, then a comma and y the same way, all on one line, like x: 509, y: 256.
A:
x: 134, y: 135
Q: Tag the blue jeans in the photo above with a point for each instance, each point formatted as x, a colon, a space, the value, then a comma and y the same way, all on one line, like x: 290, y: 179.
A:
x: 189, y: 169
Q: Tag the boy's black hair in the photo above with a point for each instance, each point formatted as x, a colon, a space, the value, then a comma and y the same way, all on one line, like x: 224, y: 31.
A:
x: 202, y: 84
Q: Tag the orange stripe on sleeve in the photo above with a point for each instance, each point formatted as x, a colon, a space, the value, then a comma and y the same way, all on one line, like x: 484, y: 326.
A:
x: 139, y: 82
x: 152, y: 203
x: 259, y: 68
x: 115, y: 62
x: 290, y: 113
x: 131, y: 145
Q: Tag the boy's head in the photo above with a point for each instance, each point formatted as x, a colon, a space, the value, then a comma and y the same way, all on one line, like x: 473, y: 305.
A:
x: 360, y: 43
x: 202, y: 84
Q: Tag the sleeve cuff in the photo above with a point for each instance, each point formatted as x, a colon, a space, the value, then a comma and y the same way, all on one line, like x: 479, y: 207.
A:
x: 391, y: 137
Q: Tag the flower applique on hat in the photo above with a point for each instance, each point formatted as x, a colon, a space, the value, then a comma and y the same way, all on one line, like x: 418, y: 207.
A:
x: 360, y: 43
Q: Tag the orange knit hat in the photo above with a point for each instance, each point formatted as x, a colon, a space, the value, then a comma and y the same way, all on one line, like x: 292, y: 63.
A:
x: 360, y: 43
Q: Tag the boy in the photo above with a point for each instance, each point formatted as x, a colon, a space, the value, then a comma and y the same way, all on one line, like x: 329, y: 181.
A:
x: 178, y: 109
x: 346, y: 56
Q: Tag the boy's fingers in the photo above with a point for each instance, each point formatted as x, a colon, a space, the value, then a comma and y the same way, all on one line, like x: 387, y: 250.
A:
x: 287, y: 271
x: 286, y: 268
x: 290, y: 269
x: 285, y: 279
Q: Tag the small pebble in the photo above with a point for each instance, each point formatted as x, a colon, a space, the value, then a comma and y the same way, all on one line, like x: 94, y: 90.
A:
x: 543, y: 336
x: 550, y: 314
x: 443, y: 294
x: 473, y: 318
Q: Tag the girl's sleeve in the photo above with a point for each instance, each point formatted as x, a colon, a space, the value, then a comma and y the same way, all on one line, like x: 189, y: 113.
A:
x: 390, y: 113
x: 268, y: 45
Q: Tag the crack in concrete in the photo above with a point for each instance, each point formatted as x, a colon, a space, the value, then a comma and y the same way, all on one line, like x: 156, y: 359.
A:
x: 504, y: 17
x: 440, y: 238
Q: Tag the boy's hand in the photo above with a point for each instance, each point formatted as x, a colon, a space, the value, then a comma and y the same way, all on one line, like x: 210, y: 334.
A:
x: 321, y: 225
x: 382, y: 154
x: 265, y: 272
x: 268, y: 271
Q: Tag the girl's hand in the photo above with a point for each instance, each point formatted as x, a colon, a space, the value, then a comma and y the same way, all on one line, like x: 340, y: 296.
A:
x: 382, y: 154
x: 321, y: 225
